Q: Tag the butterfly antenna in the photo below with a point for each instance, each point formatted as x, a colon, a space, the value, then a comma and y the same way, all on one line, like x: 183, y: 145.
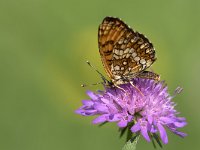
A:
x: 103, y: 78
x: 85, y: 85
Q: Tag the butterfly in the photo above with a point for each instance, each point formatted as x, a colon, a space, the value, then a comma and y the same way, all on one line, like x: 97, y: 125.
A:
x: 125, y: 53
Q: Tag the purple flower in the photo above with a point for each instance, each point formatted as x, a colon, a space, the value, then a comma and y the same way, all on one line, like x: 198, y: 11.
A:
x: 147, y: 107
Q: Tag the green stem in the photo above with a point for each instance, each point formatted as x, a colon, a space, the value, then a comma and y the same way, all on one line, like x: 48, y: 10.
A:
x: 129, y: 135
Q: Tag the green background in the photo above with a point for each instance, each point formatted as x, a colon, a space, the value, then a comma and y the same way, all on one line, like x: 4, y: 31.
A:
x: 43, y: 48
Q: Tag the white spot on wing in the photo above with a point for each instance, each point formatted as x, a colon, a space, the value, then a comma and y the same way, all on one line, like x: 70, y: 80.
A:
x: 126, y: 50
x: 121, y: 52
x: 149, y: 62
x: 125, y: 41
x: 117, y: 77
x: 115, y: 56
x: 116, y: 51
x: 116, y: 67
x: 134, y: 55
x: 128, y: 55
x: 142, y: 61
x: 124, y: 62
x: 137, y: 59
x: 131, y: 50
x: 120, y: 41
x: 122, y: 46
x: 142, y: 46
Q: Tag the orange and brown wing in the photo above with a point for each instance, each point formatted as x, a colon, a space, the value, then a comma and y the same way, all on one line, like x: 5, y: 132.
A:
x: 124, y: 52
x: 110, y: 31
x: 133, y: 53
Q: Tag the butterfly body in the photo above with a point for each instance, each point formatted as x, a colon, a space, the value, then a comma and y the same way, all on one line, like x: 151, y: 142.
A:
x: 125, y: 53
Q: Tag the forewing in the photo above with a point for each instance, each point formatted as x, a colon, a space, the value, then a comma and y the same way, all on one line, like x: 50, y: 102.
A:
x: 110, y: 31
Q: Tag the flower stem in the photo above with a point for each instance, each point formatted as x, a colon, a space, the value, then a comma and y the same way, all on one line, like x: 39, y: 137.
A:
x: 129, y: 135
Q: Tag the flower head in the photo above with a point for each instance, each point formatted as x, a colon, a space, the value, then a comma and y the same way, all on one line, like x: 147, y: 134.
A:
x: 148, y: 112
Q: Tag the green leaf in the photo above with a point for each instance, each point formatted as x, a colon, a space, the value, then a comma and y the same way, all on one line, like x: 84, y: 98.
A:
x: 122, y: 131
x: 100, y: 125
x: 129, y: 135
x: 153, y: 142
x: 156, y: 137
x: 131, y: 145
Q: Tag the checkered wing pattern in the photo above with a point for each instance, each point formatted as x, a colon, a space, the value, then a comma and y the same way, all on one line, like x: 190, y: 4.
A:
x: 124, y: 53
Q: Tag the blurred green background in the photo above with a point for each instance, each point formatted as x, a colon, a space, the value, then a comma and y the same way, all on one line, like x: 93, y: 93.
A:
x: 43, y: 48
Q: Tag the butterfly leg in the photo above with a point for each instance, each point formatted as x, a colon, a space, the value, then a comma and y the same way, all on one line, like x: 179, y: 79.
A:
x: 121, y: 88
x: 131, y: 82
x: 149, y: 75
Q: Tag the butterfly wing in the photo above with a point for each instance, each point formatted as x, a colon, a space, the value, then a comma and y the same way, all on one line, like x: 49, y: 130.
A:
x: 124, y: 52
x: 110, y: 31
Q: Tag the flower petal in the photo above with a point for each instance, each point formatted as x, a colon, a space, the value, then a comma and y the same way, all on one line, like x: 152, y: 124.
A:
x: 122, y: 123
x: 145, y: 133
x: 153, y: 129
x: 92, y: 95
x: 101, y: 108
x: 79, y: 111
x: 104, y: 100
x: 181, y: 134
x: 114, y: 117
x: 180, y: 124
x: 163, y: 134
x: 167, y: 120
x: 150, y: 119
x: 100, y: 119
x: 136, y: 127
x: 87, y: 102
x: 90, y: 112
